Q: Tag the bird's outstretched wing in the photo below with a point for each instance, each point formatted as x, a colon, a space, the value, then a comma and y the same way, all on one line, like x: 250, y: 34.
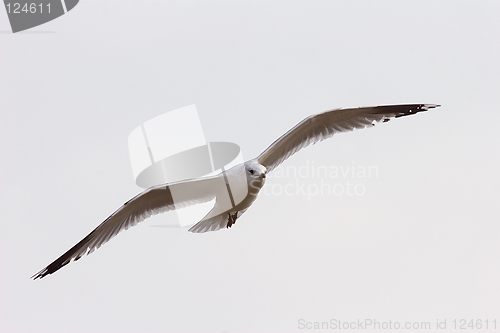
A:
x: 324, y: 125
x: 155, y: 200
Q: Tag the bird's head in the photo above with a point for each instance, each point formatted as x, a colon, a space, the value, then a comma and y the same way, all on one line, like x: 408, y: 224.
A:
x: 256, y: 176
x: 255, y: 170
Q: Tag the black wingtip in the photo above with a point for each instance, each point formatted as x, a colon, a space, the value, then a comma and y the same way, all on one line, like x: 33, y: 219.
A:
x: 40, y: 274
x: 52, y: 268
x: 43, y: 273
x: 403, y: 110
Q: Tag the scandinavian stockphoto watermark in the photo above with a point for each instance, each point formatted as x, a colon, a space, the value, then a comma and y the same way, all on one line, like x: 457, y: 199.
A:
x: 311, y: 180
x: 172, y: 147
x: 376, y: 324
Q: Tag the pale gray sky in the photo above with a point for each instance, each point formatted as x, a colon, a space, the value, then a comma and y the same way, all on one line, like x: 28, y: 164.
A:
x: 420, y: 244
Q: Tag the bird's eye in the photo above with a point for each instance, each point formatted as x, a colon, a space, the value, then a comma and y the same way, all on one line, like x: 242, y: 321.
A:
x: 251, y: 171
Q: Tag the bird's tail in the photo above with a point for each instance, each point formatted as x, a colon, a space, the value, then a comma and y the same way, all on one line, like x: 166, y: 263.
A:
x: 212, y: 224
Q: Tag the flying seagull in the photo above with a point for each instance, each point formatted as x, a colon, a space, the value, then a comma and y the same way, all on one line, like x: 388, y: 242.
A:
x: 235, y: 189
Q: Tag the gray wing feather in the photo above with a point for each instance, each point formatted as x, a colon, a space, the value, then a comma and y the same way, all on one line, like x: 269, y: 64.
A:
x: 322, y: 126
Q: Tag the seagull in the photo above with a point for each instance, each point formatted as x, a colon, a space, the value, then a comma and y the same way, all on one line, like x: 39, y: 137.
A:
x: 234, y: 189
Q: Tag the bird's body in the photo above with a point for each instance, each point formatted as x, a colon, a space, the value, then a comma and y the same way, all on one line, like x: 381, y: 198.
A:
x: 238, y: 188
x: 235, y: 189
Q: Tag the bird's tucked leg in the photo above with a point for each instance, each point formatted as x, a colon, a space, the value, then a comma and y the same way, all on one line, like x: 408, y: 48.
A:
x: 232, y: 219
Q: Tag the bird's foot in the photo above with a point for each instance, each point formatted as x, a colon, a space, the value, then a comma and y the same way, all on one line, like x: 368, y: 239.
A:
x: 232, y: 219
